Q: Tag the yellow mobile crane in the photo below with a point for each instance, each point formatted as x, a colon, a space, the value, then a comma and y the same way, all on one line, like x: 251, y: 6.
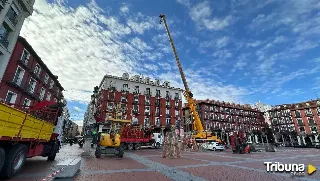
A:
x: 199, y: 132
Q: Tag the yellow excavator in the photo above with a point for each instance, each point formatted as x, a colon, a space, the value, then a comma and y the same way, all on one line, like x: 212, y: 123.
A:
x: 109, y: 141
x: 198, y: 132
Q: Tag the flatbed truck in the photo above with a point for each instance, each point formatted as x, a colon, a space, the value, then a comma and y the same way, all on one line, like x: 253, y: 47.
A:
x: 26, y: 133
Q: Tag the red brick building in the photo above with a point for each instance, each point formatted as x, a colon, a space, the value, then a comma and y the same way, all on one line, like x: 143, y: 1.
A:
x: 300, y: 119
x: 141, y: 100
x: 223, y: 117
x: 27, y: 79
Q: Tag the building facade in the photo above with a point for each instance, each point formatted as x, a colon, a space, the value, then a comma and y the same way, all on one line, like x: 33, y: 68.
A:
x: 265, y: 108
x: 27, y: 79
x: 222, y: 118
x: 12, y: 16
x: 140, y: 99
x: 296, y: 123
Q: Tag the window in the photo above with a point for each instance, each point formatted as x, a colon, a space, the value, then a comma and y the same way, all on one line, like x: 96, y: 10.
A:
x: 147, y: 110
x: 125, y: 87
x: 46, y: 78
x: 58, y: 92
x: 167, y: 111
x: 157, y: 122
x: 55, y: 100
x: 176, y: 95
x: 18, y: 76
x: 146, y: 121
x: 110, y: 105
x: 11, y: 97
x: 48, y: 96
x: 43, y: 90
x: 167, y: 121
x: 136, y: 89
x: 51, y: 84
x: 167, y: 93
x: 157, y: 92
x: 157, y: 110
x: 12, y: 14
x: 37, y: 70
x: 26, y: 102
x: 32, y: 85
x: 148, y: 91
x: 136, y: 107
x: 177, y: 113
x: 25, y: 56
x: 4, y: 34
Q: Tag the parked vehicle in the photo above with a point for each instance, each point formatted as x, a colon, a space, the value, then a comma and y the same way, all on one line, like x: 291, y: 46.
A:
x: 213, y: 145
x: 133, y: 137
x: 26, y: 133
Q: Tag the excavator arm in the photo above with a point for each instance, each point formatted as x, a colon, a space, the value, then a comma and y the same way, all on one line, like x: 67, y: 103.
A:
x: 187, y: 94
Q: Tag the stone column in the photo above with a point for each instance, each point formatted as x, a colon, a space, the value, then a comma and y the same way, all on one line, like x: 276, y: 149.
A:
x: 299, y: 140
x: 256, y: 138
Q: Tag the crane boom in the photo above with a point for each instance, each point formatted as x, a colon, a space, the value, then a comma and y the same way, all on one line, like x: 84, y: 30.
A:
x: 188, y: 95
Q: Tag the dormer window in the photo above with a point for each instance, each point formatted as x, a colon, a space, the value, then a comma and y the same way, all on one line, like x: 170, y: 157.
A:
x: 46, y: 78
x: 37, y: 70
x: 51, y: 84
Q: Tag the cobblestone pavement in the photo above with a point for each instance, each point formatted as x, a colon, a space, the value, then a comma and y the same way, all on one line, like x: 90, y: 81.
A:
x: 147, y: 164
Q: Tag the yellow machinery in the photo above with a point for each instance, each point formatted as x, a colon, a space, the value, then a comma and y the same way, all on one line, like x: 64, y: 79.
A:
x: 109, y: 139
x: 18, y: 125
x: 199, y: 132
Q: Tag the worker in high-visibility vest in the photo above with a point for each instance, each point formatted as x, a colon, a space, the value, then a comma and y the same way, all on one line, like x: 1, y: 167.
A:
x: 94, y: 138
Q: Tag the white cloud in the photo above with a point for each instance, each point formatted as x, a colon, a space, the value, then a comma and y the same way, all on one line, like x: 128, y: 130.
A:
x: 82, y: 45
x: 201, y: 14
x: 124, y: 8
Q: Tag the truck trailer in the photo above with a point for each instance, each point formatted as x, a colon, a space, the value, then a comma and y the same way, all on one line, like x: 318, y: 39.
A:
x: 134, y: 137
x: 26, y: 132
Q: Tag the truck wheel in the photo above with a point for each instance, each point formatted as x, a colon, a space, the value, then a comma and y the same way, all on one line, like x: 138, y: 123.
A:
x: 54, y: 151
x: 157, y: 145
x: 137, y: 146
x: 123, y: 146
x: 2, y: 157
x: 121, y: 152
x: 15, y: 159
x: 130, y: 146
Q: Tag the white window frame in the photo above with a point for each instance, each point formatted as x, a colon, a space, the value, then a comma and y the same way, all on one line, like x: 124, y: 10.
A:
x: 157, y: 110
x: 28, y: 102
x: 21, y: 75
x: 14, y: 96
x: 42, y: 93
x: 167, y: 120
x: 146, y: 118
x: 51, y: 84
x: 167, y: 111
x: 25, y: 61
x: 155, y: 121
x: 46, y: 78
x: 37, y: 69
x: 48, y: 98
x: 33, y: 87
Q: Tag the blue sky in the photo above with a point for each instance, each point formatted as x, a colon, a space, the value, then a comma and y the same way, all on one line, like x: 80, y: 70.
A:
x: 232, y: 50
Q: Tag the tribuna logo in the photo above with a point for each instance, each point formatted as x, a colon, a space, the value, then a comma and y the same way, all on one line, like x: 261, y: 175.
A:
x: 293, y: 169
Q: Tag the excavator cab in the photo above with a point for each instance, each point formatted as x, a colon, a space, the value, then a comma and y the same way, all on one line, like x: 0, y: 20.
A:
x: 109, y: 138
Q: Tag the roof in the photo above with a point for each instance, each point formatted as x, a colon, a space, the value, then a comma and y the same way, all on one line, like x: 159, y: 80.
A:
x: 39, y: 60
